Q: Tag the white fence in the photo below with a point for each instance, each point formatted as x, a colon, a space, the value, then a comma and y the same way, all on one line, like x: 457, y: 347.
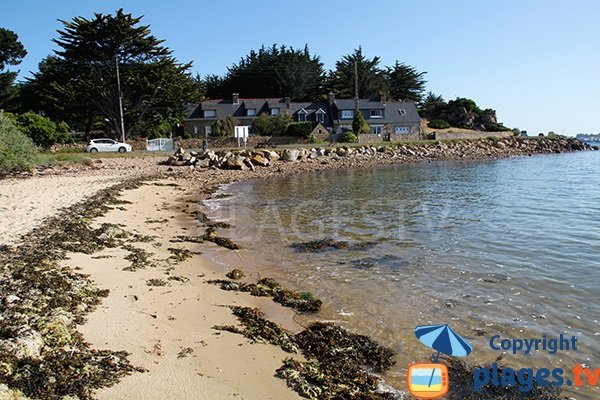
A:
x: 160, y: 144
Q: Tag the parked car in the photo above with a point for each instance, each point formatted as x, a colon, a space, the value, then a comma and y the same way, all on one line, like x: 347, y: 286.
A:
x: 104, y: 145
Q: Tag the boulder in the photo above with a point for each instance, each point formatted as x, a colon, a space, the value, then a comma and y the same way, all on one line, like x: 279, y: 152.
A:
x: 271, y: 155
x: 248, y: 164
x: 291, y: 154
x: 259, y: 160
x: 341, y: 152
x: 234, y: 162
x: 203, y: 163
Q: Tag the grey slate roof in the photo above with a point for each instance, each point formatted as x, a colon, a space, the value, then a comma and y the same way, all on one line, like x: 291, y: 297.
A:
x: 391, y: 110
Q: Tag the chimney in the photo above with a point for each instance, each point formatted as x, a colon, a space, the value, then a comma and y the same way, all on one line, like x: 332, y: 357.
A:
x: 383, y: 97
x: 331, y: 98
x: 288, y: 102
x: 236, y: 98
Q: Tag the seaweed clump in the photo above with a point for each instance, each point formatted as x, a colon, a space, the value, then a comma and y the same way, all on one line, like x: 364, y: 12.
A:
x: 257, y: 328
x: 337, y: 361
x: 268, y: 287
x: 337, y: 364
x: 211, y: 236
x: 138, y: 257
x: 329, y: 244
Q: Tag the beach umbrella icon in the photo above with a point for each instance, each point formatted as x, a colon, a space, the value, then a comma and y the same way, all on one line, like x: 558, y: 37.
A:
x: 444, y: 340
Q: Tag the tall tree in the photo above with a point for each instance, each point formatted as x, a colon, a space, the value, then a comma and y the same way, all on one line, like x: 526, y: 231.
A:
x: 11, y: 53
x: 371, y: 78
x: 405, y: 83
x: 81, y: 80
x: 273, y: 72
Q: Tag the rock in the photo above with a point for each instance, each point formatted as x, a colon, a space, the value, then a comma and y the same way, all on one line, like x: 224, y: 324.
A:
x: 271, y: 155
x: 180, y: 152
x: 259, y: 160
x: 302, y: 153
x: 203, y: 163
x: 321, y: 152
x: 235, y: 274
x: 291, y: 154
x: 341, y: 152
x: 249, y: 164
x: 234, y: 162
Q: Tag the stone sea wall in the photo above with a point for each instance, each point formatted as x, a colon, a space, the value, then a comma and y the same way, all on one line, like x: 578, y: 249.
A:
x: 367, y: 154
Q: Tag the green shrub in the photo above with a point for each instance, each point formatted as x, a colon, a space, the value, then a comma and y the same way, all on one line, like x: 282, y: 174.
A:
x: 359, y: 125
x: 496, y: 128
x: 224, y: 127
x: 348, y: 137
x: 43, y: 131
x: 17, y: 151
x: 302, y: 129
x: 438, y: 124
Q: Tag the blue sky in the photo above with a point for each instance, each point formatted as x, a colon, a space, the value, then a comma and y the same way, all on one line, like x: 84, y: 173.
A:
x: 536, y: 62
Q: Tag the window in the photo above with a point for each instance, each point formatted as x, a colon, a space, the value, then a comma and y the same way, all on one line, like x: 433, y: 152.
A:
x: 195, y: 130
x: 302, y: 115
x: 376, y: 113
x: 377, y: 129
x: 208, y: 130
x: 402, y: 111
x: 210, y: 113
x: 251, y: 112
x: 401, y: 130
x: 320, y: 114
x: 347, y: 114
x: 274, y: 111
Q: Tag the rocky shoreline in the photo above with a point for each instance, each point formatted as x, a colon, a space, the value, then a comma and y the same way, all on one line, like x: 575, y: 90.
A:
x: 395, y: 153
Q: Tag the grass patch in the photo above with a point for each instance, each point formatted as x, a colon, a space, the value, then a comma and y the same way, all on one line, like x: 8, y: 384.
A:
x: 52, y: 159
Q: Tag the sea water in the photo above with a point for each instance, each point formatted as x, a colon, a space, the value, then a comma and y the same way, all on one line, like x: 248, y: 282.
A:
x: 504, y: 247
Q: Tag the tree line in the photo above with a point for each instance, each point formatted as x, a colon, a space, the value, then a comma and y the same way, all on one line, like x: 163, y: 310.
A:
x: 76, y: 86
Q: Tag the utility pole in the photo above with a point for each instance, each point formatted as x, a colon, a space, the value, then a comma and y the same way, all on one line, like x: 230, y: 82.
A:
x: 355, y: 84
x: 120, y: 99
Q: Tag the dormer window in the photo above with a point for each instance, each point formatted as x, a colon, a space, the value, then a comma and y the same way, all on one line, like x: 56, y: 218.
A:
x: 347, y: 114
x: 210, y: 113
x: 274, y: 111
x: 320, y: 115
x: 302, y: 115
x: 376, y: 113
x: 251, y: 112
x: 402, y: 111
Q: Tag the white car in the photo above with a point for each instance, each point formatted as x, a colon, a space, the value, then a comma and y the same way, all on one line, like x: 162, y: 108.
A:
x: 105, y: 145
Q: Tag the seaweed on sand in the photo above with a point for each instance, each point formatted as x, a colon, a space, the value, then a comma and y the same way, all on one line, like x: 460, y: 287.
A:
x: 75, y: 372
x: 337, y: 364
x: 41, y: 353
x: 337, y: 361
x: 212, y: 236
x: 180, y: 255
x: 268, y: 287
x: 139, y: 258
x: 257, y: 328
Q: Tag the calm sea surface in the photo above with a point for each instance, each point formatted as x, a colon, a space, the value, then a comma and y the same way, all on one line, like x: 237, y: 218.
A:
x: 508, y: 247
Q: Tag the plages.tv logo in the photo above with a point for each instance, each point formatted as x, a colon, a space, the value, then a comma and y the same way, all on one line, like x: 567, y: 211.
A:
x: 430, y: 380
